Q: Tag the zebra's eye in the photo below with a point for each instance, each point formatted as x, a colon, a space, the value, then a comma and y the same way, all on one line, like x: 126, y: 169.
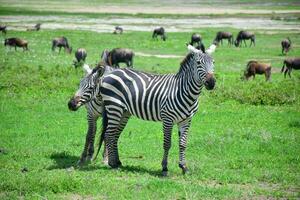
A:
x: 198, y: 62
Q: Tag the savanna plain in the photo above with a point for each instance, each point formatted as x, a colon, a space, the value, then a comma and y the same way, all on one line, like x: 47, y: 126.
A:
x: 244, y: 142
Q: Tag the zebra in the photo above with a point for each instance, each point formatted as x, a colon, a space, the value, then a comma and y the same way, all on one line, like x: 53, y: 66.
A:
x: 94, y: 111
x: 171, y: 99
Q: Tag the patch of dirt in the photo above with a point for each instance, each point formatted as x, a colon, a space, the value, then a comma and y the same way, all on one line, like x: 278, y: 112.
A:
x: 108, y: 24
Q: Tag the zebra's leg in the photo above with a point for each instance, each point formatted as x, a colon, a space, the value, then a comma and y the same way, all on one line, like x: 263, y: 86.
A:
x: 114, y: 119
x: 167, y: 126
x: 88, y: 150
x: 183, y: 133
x: 121, y: 127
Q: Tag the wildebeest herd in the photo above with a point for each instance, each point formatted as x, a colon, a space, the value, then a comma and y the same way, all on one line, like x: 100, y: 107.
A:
x: 115, y: 93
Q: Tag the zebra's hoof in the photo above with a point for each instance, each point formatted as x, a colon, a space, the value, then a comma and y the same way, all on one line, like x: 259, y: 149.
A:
x: 81, y: 162
x: 119, y: 163
x: 114, y: 164
x: 184, y: 169
x: 164, y: 173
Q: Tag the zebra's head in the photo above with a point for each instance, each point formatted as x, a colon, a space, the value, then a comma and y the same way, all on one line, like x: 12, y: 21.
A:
x: 205, y: 65
x: 87, y: 87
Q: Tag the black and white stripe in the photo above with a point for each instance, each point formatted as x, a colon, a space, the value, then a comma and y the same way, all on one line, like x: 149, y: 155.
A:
x: 172, y: 99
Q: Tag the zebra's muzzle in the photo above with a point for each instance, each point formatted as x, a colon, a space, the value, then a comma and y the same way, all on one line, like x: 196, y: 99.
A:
x: 210, y: 82
x: 73, y: 104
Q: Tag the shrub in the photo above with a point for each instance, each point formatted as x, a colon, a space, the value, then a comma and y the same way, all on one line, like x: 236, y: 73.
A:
x: 258, y: 92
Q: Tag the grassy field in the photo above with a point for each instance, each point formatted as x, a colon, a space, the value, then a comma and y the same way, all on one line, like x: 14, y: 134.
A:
x: 244, y: 141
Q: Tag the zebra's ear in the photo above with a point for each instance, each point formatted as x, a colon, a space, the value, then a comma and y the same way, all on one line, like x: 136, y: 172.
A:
x: 99, y: 70
x: 211, y: 49
x: 193, y: 49
x: 87, y: 69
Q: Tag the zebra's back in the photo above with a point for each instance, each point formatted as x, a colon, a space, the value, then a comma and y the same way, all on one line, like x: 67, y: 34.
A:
x: 141, y: 94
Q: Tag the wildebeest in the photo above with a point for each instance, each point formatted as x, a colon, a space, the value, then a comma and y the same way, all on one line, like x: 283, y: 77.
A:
x: 118, y: 29
x: 80, y: 56
x: 3, y: 29
x: 243, y: 36
x: 159, y: 31
x: 290, y: 63
x: 118, y: 55
x: 196, y: 38
x: 201, y: 47
x: 16, y: 42
x: 37, y: 27
x: 224, y: 35
x: 286, y: 45
x: 254, y: 67
x: 61, y: 42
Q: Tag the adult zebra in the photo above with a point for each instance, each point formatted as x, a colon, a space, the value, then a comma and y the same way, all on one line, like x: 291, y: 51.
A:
x: 171, y: 98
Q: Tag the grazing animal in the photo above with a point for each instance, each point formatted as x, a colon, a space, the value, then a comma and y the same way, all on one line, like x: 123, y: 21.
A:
x: 37, y: 27
x: 80, y: 55
x: 196, y: 38
x: 201, y: 47
x: 16, y: 42
x: 118, y: 55
x: 254, y: 67
x: 286, y: 45
x: 159, y: 31
x: 243, y: 36
x: 3, y: 29
x: 290, y: 63
x: 171, y: 99
x: 224, y: 35
x: 118, y: 29
x: 61, y: 42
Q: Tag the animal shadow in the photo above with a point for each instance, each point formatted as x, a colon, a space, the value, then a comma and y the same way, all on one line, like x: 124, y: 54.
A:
x: 141, y: 170
x: 126, y: 168
x: 295, y: 124
x: 63, y: 160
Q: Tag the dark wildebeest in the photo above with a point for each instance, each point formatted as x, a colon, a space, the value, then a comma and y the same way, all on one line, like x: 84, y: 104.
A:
x: 254, y: 67
x: 290, y: 63
x: 61, y: 42
x: 37, y: 27
x: 243, y: 36
x: 118, y: 55
x: 80, y: 56
x: 224, y: 35
x: 159, y: 31
x: 286, y: 45
x: 201, y: 47
x: 3, y: 29
x: 118, y: 29
x: 16, y: 42
x: 196, y: 38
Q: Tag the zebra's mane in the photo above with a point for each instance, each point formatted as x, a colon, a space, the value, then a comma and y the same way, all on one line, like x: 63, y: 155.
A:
x: 185, y: 63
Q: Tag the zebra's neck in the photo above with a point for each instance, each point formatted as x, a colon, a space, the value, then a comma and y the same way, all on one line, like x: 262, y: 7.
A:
x: 189, y: 83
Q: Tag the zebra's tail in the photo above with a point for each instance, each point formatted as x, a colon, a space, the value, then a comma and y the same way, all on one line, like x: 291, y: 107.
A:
x: 102, y: 136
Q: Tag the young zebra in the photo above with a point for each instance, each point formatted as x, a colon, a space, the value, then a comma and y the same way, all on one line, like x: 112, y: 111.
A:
x: 94, y: 110
x: 171, y: 98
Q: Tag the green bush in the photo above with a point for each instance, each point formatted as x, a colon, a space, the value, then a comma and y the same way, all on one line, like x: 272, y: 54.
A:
x: 258, y: 92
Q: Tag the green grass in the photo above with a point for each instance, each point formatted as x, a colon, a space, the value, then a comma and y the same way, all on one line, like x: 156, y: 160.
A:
x: 243, y: 143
